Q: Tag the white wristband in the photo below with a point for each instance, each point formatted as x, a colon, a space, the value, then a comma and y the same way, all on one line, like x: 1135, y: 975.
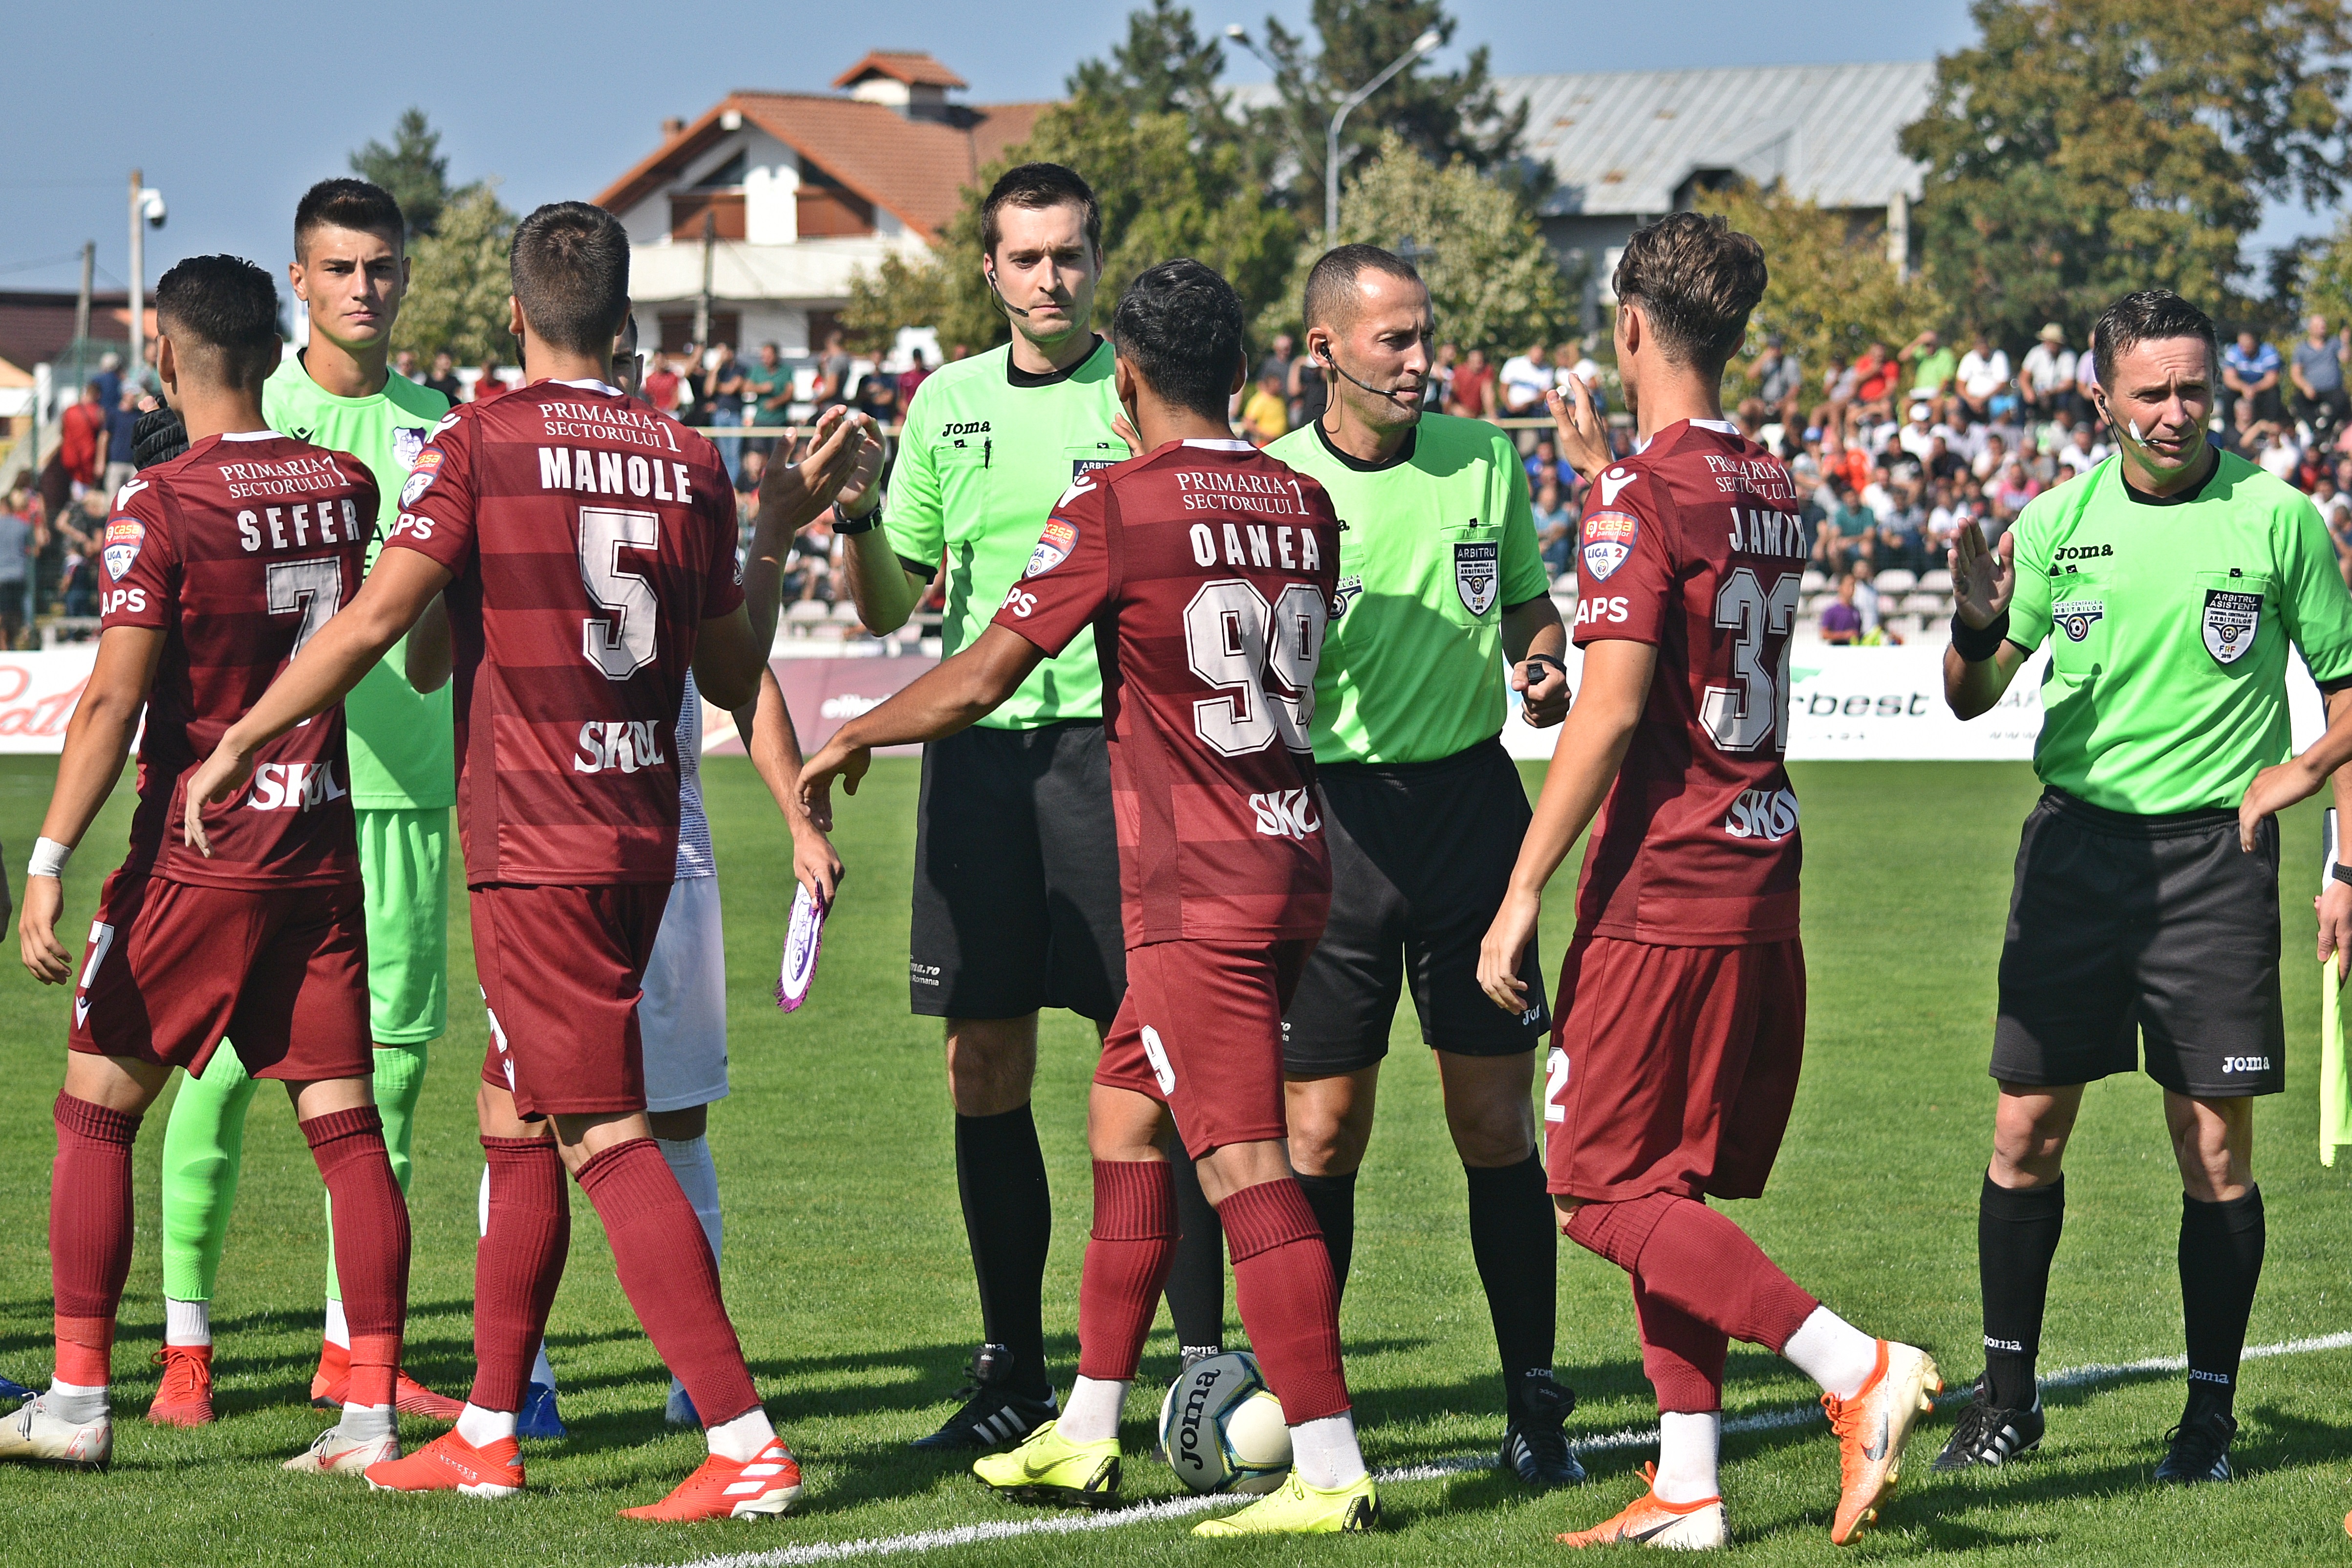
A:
x: 49, y: 859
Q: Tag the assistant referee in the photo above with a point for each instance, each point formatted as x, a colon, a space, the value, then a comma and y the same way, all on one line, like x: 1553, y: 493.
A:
x: 2169, y: 582
x: 1441, y: 586
x: 1016, y: 853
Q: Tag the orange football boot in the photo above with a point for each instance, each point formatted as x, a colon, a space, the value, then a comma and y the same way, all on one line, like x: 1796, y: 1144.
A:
x: 450, y: 1464
x: 184, y: 1397
x: 332, y: 1384
x: 1871, y: 1428
x: 729, y: 1488
x: 1651, y: 1521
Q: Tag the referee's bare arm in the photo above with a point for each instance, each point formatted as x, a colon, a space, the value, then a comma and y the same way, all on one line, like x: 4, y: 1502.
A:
x: 1983, y: 581
x: 885, y: 591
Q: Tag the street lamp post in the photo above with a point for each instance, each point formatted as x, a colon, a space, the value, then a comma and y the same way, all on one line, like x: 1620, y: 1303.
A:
x: 146, y: 210
x: 1420, y: 46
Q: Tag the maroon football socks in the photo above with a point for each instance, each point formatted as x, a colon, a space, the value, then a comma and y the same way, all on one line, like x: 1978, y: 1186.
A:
x: 1127, y: 1259
x: 1289, y: 1297
x: 518, y: 1265
x: 372, y: 1231
x: 90, y: 1233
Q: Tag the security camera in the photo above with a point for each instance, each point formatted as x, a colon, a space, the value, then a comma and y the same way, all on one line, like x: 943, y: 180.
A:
x: 151, y: 206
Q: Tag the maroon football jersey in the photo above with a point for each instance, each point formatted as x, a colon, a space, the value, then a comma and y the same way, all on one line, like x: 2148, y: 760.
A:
x: 590, y: 539
x: 1695, y: 546
x: 238, y: 551
x: 1207, y: 570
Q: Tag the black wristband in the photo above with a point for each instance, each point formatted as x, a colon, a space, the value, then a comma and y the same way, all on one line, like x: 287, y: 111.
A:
x: 1975, y: 646
x: 850, y: 527
x: 2340, y: 871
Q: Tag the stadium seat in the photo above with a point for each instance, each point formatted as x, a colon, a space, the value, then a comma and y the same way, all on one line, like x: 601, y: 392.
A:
x: 1937, y: 582
x: 1897, y: 580
x: 846, y: 610
x: 1815, y: 579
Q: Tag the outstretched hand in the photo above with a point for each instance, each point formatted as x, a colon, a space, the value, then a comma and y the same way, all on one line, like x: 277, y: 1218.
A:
x: 1984, y: 579
x: 2273, y: 790
x: 795, y: 494
x: 835, y: 761
x: 1583, y: 433
x: 217, y: 778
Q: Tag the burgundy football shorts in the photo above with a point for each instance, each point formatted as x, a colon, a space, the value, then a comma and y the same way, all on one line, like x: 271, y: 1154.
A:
x: 1673, y: 1069
x: 1201, y: 1032
x: 561, y: 968
x: 173, y: 967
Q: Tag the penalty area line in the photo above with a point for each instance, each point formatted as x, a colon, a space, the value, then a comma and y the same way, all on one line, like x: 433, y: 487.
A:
x: 1629, y: 1437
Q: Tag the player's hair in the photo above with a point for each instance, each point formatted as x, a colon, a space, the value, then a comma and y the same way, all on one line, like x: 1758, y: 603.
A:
x: 348, y: 204
x: 2146, y: 317
x: 1178, y: 327
x: 570, y: 269
x: 1037, y: 187
x: 1696, y: 279
x: 1331, y: 283
x: 221, y: 314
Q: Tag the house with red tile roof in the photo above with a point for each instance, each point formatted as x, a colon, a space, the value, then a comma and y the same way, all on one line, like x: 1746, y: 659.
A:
x: 783, y: 197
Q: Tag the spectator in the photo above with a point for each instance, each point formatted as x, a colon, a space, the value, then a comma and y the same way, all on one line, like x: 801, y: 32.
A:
x: 2082, y: 453
x: 444, y: 379
x: 914, y: 375
x: 1942, y: 465
x: 1991, y: 456
x: 2086, y: 378
x: 2012, y: 490
x: 1277, y: 362
x: 404, y: 364
x: 1865, y: 597
x: 1544, y: 465
x: 2275, y: 450
x: 2047, y: 377
x: 122, y: 420
x: 1933, y: 366
x: 1841, y: 621
x: 81, y: 444
x: 1310, y: 392
x: 1921, y: 433
x: 1555, y: 526
x: 1473, y: 385
x: 1874, y: 382
x: 19, y: 542
x: 1569, y: 359
x: 80, y: 528
x: 747, y: 497
x: 877, y: 397
x: 2250, y: 376
x: 834, y: 366
x: 488, y: 385
x: 1779, y: 377
x: 1524, y: 381
x: 109, y: 379
x: 1983, y: 377
x: 722, y: 402
x: 1265, y: 416
x: 766, y: 402
x: 810, y: 567
x: 1436, y: 392
x: 660, y: 387
x: 2318, y: 376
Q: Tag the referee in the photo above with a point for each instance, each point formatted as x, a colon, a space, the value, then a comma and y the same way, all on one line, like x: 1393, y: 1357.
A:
x: 1439, y: 575
x: 1016, y: 854
x: 2169, y: 581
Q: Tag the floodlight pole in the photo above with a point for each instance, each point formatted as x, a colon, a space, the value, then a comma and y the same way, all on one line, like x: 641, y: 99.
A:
x: 1420, y: 46
x: 137, y: 279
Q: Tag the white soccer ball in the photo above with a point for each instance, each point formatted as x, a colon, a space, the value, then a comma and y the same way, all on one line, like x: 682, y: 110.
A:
x: 1222, y: 1427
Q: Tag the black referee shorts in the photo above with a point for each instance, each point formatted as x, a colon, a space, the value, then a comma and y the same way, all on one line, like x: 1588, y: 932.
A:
x: 1421, y: 856
x: 1016, y: 876
x: 2154, y: 926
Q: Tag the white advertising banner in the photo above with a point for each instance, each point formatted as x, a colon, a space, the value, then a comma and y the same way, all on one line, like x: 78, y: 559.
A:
x: 1886, y: 704
x: 37, y: 693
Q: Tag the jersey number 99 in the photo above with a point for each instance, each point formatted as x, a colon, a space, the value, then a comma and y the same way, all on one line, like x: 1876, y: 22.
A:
x: 1233, y: 639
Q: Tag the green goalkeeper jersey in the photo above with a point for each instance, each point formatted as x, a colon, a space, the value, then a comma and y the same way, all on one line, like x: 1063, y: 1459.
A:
x: 2168, y: 622
x: 401, y: 756
x: 987, y: 451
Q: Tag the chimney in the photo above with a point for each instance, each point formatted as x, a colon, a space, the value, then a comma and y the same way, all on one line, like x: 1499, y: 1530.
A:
x: 672, y: 127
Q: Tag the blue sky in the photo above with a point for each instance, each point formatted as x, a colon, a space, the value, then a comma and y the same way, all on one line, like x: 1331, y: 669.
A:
x: 232, y: 109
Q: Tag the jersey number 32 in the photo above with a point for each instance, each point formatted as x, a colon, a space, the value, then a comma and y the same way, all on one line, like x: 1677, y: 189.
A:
x: 1754, y: 713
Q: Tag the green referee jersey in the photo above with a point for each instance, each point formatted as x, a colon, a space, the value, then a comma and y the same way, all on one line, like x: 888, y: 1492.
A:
x: 401, y: 748
x: 988, y: 449
x: 2169, y: 623
x: 1434, y: 544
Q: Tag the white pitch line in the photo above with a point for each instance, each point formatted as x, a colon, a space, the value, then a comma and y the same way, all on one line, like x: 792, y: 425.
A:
x: 1627, y: 1438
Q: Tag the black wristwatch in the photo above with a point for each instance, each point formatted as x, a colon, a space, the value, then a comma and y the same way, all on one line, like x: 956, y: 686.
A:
x: 850, y: 527
x: 2340, y: 871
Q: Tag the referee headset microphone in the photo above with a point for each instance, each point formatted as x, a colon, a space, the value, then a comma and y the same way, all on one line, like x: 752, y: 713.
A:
x: 1399, y: 395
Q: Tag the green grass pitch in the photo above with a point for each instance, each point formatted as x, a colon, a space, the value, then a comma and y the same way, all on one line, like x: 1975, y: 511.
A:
x: 846, y: 1272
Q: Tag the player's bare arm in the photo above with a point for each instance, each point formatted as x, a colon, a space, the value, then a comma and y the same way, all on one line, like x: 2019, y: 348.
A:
x: 1533, y: 641
x: 97, y: 739
x: 766, y: 727
x: 391, y: 600
x: 952, y: 695
x: 2298, y: 779
x: 431, y: 653
x: 1617, y: 675
x: 1583, y: 434
x: 1984, y: 581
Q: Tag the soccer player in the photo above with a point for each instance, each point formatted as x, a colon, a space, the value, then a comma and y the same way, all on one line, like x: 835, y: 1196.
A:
x: 1206, y: 570
x: 1681, y: 1012
x: 220, y: 566
x: 351, y: 269
x: 1422, y: 808
x: 2169, y: 581
x: 588, y: 552
x: 1016, y: 859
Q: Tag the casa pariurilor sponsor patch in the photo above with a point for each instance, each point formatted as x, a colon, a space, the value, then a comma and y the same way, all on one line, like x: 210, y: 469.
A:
x: 124, y: 535
x: 1054, y: 547
x: 2230, y: 623
x: 421, y: 475
x: 1609, y: 539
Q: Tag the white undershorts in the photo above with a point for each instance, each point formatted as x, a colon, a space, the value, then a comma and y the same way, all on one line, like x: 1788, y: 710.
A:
x: 682, y: 1018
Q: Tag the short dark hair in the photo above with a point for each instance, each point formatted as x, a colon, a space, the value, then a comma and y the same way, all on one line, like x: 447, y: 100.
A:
x: 2145, y: 316
x: 1331, y: 282
x: 1696, y: 279
x: 1178, y: 326
x: 348, y: 204
x: 221, y: 314
x: 1036, y: 186
x: 571, y: 270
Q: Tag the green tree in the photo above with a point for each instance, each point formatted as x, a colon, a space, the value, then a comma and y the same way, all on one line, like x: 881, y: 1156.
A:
x: 458, y: 281
x: 2323, y: 284
x: 413, y: 169
x: 1493, y: 281
x: 2082, y: 149
x: 1162, y: 68
x: 1833, y: 290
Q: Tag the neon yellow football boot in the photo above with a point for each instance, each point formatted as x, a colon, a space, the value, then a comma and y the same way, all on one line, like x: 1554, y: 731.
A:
x: 1297, y: 1509
x: 1049, y: 1468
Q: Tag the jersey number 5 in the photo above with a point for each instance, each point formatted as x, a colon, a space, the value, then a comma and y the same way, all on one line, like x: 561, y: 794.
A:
x: 1233, y: 640
x: 624, y: 644
x: 1745, y: 717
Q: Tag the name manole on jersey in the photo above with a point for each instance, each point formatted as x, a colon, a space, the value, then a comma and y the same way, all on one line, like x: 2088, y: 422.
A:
x: 400, y: 738
x: 1695, y: 547
x: 987, y: 447
x: 239, y: 550
x: 589, y: 538
x: 1206, y: 570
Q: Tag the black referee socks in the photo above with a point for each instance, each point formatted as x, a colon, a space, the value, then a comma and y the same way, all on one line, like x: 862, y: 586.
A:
x: 1196, y: 1280
x: 1516, y: 1243
x: 2221, y: 1262
x: 1008, y: 1216
x: 1333, y: 1199
x: 2017, y: 1236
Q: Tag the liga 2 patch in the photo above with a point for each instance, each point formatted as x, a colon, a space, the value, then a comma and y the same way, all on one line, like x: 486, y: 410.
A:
x: 1054, y: 547
x: 1609, y: 539
x: 124, y: 535
x: 2230, y: 623
x: 421, y: 475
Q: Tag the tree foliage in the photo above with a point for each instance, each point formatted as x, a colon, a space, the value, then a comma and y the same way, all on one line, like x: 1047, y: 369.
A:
x: 458, y: 281
x: 2082, y: 149
x: 412, y: 169
x: 2324, y: 283
x: 1492, y: 280
x: 1833, y: 290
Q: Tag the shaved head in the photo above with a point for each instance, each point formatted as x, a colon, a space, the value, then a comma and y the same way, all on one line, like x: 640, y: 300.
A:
x: 1333, y: 294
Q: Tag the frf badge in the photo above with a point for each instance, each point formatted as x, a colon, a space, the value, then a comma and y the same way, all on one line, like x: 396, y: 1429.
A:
x: 1609, y: 539
x: 2230, y: 623
x: 1477, y: 567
